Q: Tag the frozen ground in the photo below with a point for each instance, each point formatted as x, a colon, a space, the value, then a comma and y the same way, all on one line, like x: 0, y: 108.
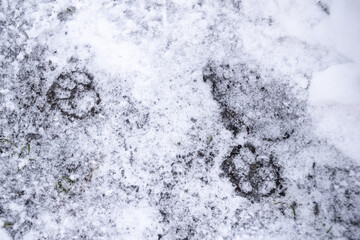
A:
x: 180, y: 119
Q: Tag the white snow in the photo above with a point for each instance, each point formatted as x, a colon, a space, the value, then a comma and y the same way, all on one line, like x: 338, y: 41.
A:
x: 334, y: 92
x: 146, y: 135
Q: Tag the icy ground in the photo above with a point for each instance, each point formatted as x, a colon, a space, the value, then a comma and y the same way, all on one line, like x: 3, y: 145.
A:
x: 180, y: 119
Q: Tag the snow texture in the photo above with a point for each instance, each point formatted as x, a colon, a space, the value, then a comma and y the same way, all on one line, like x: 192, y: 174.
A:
x: 179, y: 119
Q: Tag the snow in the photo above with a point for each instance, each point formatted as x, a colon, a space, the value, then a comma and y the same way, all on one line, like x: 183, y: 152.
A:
x: 334, y: 92
x: 172, y: 119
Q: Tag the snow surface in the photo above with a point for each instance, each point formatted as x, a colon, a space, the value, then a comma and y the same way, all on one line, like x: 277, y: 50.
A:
x: 179, y: 119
